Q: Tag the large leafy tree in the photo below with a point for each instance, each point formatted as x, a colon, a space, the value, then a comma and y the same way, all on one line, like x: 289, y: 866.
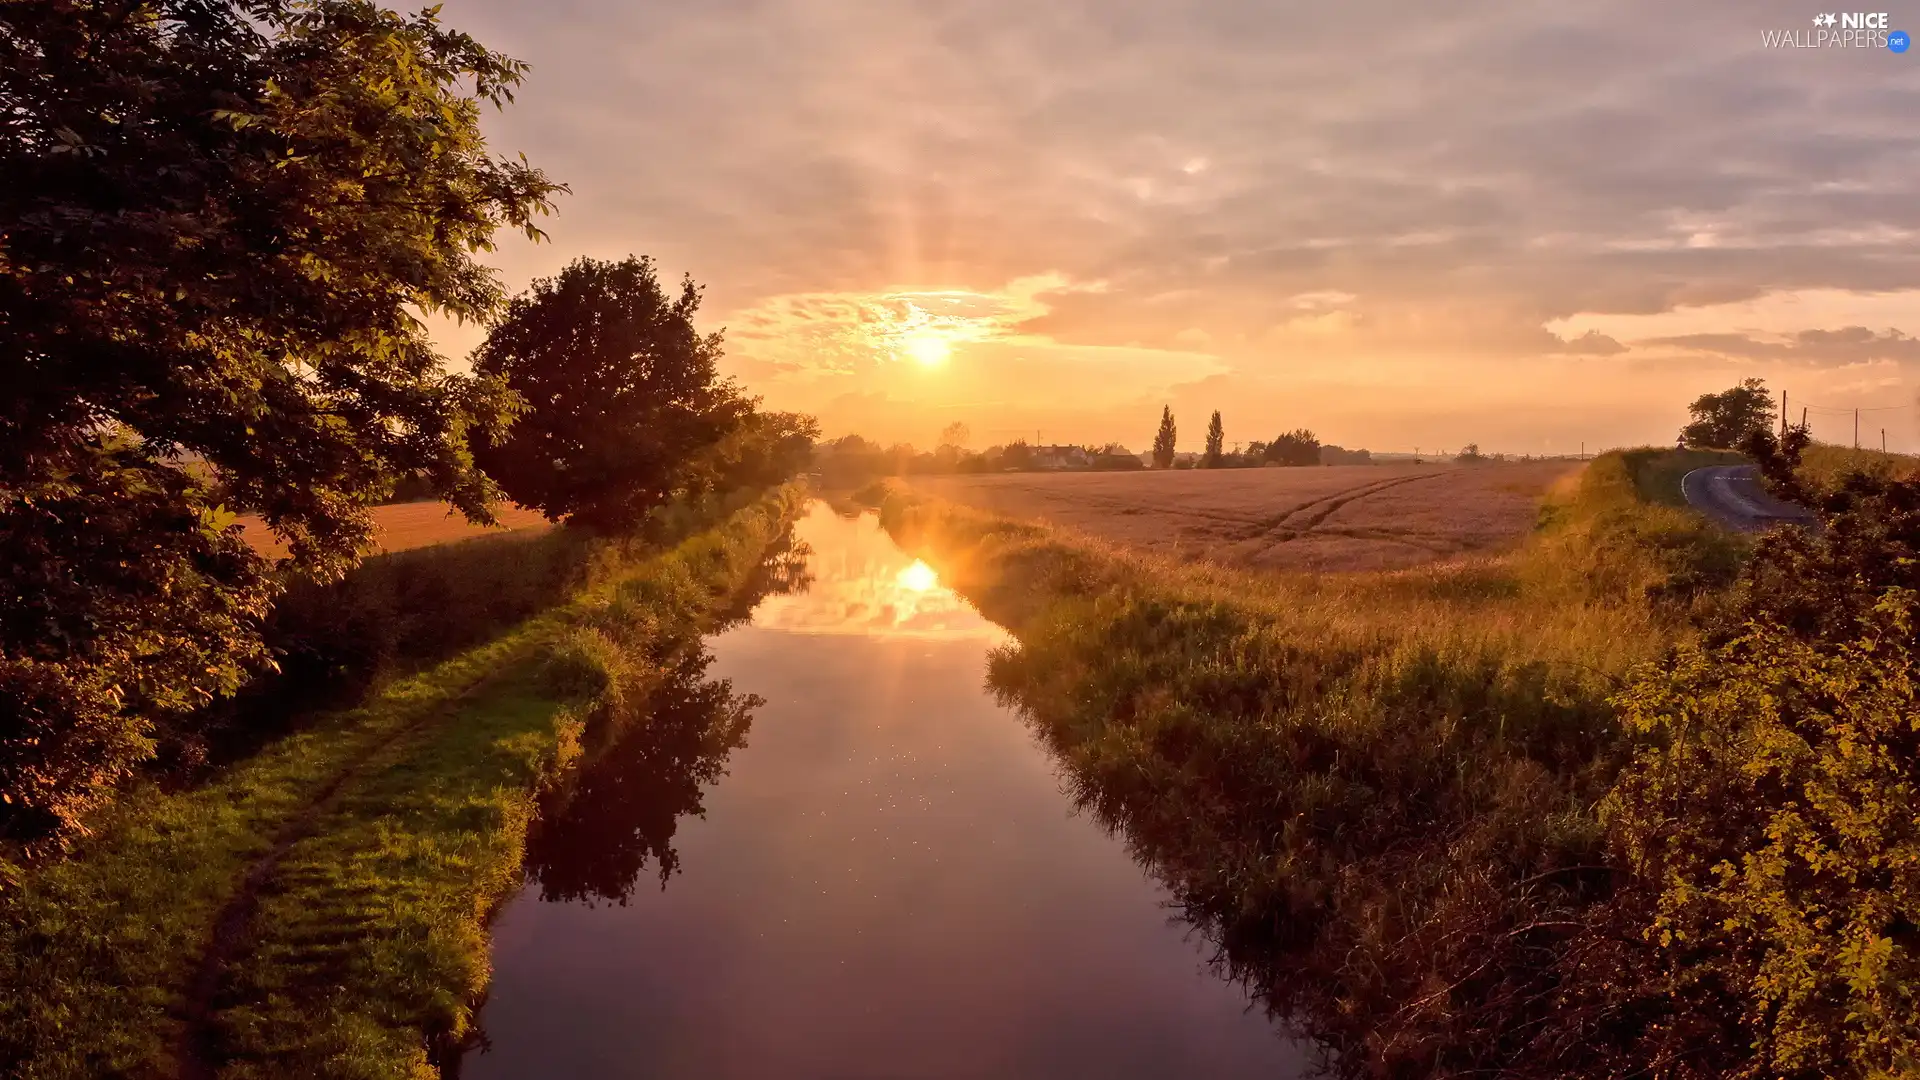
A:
x: 1216, y: 440
x: 218, y: 225
x: 622, y: 393
x: 1726, y: 419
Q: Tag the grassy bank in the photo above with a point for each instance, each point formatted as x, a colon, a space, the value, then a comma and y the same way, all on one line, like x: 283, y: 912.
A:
x: 1377, y: 794
x: 318, y: 909
x: 1823, y: 464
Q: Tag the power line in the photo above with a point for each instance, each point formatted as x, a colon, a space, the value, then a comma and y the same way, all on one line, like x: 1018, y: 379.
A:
x: 1848, y: 409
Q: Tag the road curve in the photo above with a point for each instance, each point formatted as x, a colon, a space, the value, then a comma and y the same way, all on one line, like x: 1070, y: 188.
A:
x: 1732, y: 495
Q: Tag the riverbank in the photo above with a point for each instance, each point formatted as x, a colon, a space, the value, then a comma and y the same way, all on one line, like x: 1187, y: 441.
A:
x: 319, y: 908
x: 1377, y: 794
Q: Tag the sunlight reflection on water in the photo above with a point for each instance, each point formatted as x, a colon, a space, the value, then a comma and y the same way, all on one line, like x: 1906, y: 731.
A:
x: 863, y: 584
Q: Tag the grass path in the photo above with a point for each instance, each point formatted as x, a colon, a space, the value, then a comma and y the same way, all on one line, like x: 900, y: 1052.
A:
x: 198, y: 1047
x: 319, y: 910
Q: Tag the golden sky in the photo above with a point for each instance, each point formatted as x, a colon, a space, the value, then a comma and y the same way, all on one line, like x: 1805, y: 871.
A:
x: 1523, y: 225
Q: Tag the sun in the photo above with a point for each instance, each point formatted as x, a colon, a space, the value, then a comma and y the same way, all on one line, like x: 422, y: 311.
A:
x: 930, y: 347
x: 919, y: 577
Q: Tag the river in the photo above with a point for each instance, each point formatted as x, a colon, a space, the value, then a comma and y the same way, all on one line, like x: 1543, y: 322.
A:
x: 832, y: 853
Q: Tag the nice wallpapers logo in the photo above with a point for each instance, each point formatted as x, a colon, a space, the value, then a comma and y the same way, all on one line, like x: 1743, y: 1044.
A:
x: 1845, y: 30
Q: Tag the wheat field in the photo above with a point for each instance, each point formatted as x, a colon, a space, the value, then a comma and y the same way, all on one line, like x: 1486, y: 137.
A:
x: 402, y: 526
x: 1337, y: 518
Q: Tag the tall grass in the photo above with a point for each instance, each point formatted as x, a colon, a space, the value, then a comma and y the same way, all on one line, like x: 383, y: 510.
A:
x: 1376, y: 793
x: 377, y: 840
x: 1822, y: 465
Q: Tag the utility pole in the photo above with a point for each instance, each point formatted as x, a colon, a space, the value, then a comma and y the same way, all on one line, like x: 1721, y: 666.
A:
x: 1583, y: 449
x: 1883, y: 440
x: 1803, y: 416
x: 1856, y: 429
x: 1783, y: 414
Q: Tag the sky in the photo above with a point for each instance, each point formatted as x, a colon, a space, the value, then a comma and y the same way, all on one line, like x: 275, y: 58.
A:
x: 1402, y: 225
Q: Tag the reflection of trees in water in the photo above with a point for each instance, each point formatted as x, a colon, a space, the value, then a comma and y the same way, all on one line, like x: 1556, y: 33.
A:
x: 593, y: 841
x: 624, y: 808
x: 783, y: 572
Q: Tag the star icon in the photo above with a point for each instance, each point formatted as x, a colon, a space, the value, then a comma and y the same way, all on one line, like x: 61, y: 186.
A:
x: 1830, y: 19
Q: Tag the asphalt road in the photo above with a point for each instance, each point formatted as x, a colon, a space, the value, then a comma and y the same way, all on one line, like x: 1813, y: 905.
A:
x: 1733, y: 496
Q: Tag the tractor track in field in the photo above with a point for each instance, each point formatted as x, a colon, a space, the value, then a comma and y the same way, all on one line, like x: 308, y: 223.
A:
x: 1305, y: 518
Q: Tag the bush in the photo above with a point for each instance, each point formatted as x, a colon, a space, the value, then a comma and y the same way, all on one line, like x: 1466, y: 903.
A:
x: 1771, y: 817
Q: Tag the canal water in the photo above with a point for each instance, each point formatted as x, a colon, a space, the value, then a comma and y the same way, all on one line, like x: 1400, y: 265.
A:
x: 832, y: 854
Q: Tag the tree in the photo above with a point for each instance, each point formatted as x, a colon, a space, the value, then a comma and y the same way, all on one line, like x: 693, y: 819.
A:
x: 1296, y: 447
x: 1163, y: 440
x: 767, y: 448
x: 1724, y: 419
x: 1216, y: 436
x: 955, y: 435
x: 1470, y: 454
x: 622, y: 393
x: 218, y: 222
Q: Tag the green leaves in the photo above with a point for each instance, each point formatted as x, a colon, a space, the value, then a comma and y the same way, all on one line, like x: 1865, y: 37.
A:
x: 1772, y: 813
x: 200, y: 199
x: 623, y: 395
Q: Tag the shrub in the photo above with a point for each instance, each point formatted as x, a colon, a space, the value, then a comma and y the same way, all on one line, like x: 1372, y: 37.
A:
x: 1771, y: 816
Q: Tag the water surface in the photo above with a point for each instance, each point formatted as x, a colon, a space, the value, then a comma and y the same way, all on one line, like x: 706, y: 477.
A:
x: 871, y: 871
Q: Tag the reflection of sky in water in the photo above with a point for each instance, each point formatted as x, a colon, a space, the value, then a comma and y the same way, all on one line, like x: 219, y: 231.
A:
x: 863, y: 584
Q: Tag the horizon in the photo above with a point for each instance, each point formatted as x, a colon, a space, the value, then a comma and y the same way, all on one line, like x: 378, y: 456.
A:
x: 1521, y: 228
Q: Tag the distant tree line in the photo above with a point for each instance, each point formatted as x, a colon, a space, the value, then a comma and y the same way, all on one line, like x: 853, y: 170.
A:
x: 1292, y: 448
x: 218, y: 224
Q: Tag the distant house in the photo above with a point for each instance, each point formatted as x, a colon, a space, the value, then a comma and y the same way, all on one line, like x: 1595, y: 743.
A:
x: 1061, y: 457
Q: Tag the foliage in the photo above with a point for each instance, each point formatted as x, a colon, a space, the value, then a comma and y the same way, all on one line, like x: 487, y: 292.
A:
x: 1216, y: 436
x: 955, y: 435
x: 1775, y: 814
x: 1164, y: 439
x: 1296, y: 447
x: 124, y: 604
x: 766, y: 449
x: 1772, y: 811
x: 621, y: 393
x: 1340, y: 455
x: 1470, y: 454
x: 217, y: 224
x: 1724, y: 420
x: 1824, y: 466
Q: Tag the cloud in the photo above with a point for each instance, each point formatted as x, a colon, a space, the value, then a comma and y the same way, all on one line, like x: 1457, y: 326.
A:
x: 1365, y: 185
x: 1846, y: 346
x: 1592, y: 343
